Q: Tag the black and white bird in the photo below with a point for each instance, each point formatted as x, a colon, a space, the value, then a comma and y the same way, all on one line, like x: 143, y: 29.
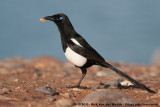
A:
x: 80, y: 53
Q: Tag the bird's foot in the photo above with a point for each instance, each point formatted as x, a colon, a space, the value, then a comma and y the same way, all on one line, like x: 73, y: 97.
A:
x: 77, y: 86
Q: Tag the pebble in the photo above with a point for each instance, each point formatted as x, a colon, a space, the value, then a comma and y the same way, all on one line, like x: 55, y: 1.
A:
x: 64, y: 103
x: 47, y: 90
x: 17, y: 88
x: 51, y: 98
x: 24, y: 99
x: 113, y: 84
x: 107, y: 97
x: 126, y: 83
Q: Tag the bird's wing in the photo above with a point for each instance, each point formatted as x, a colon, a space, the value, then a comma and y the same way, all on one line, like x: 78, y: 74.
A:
x: 82, y: 41
x: 89, y: 53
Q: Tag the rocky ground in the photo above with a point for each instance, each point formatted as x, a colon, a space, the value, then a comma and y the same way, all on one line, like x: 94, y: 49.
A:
x: 42, y: 81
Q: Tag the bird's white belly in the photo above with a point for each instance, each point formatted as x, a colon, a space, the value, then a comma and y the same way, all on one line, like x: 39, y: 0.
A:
x: 75, y: 58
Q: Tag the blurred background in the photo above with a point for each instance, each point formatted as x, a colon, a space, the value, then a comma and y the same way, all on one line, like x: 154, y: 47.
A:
x: 120, y: 30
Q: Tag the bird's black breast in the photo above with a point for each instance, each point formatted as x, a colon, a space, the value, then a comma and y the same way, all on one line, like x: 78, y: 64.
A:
x: 64, y: 41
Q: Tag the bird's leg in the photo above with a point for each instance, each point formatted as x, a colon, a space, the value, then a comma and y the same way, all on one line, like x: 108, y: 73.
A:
x: 84, y: 71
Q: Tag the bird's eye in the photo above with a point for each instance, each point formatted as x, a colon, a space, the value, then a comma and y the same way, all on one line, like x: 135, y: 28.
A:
x: 60, y: 18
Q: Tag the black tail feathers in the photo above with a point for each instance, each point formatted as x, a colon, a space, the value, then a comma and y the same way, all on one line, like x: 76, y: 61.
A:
x: 107, y: 65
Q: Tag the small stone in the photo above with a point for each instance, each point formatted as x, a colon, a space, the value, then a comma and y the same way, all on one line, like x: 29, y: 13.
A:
x: 46, y: 90
x: 24, y: 99
x: 17, y: 89
x: 107, y: 97
x: 64, y: 103
x: 113, y: 84
x: 51, y: 98
x: 126, y: 83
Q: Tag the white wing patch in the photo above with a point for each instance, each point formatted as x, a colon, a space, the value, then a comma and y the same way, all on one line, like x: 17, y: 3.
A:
x: 74, y: 57
x: 76, y: 42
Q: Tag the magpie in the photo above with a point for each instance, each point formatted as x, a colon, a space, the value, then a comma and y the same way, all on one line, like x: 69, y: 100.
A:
x: 80, y: 53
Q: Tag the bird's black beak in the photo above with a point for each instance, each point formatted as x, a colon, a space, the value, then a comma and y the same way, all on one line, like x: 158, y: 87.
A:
x: 49, y: 18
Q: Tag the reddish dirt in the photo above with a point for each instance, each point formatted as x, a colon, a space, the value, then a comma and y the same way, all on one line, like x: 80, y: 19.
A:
x: 19, y: 77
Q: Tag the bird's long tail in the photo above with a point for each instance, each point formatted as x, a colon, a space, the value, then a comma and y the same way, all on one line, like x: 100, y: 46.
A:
x: 107, y: 65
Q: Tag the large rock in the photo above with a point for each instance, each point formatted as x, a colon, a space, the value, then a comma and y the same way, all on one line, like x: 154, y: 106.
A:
x: 64, y: 103
x: 106, y: 98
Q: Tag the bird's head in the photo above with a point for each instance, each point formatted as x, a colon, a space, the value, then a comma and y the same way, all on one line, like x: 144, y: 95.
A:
x: 59, y: 18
